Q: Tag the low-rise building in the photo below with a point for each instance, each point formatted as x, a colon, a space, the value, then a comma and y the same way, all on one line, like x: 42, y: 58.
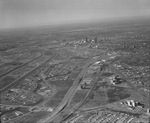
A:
x: 132, y: 104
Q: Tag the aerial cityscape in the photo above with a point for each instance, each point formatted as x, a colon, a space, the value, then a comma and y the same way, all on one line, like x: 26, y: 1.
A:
x: 75, y: 61
x: 82, y: 76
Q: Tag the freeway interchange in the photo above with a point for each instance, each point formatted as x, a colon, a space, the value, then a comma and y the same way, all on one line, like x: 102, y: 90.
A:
x: 68, y: 97
x: 82, y: 75
x: 69, y: 94
x: 73, y: 89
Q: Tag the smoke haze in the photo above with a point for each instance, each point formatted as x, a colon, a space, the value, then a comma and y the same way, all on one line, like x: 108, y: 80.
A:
x: 22, y: 13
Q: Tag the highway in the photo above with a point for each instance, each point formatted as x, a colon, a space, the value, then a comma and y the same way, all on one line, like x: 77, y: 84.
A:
x: 86, y: 97
x: 20, y: 66
x: 68, y: 96
x: 70, y: 93
x: 84, y: 100
x: 95, y: 82
x: 24, y: 64
x: 96, y: 79
x: 26, y: 75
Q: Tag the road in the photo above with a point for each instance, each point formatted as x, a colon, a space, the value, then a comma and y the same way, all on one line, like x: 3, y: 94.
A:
x: 86, y: 97
x: 127, y: 80
x: 20, y: 66
x: 68, y: 96
x: 76, y: 107
x: 96, y: 79
x: 70, y: 93
x: 27, y: 74
x: 24, y: 63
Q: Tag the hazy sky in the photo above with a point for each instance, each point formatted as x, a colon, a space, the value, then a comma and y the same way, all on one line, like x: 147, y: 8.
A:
x: 18, y: 13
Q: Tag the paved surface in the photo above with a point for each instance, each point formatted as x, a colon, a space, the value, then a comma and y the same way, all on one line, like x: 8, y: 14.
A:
x: 68, y: 96
x: 70, y: 93
x: 127, y: 81
x: 20, y: 66
x: 27, y: 74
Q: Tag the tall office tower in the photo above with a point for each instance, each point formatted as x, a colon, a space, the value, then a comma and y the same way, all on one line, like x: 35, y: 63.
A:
x: 95, y: 39
x: 86, y: 39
